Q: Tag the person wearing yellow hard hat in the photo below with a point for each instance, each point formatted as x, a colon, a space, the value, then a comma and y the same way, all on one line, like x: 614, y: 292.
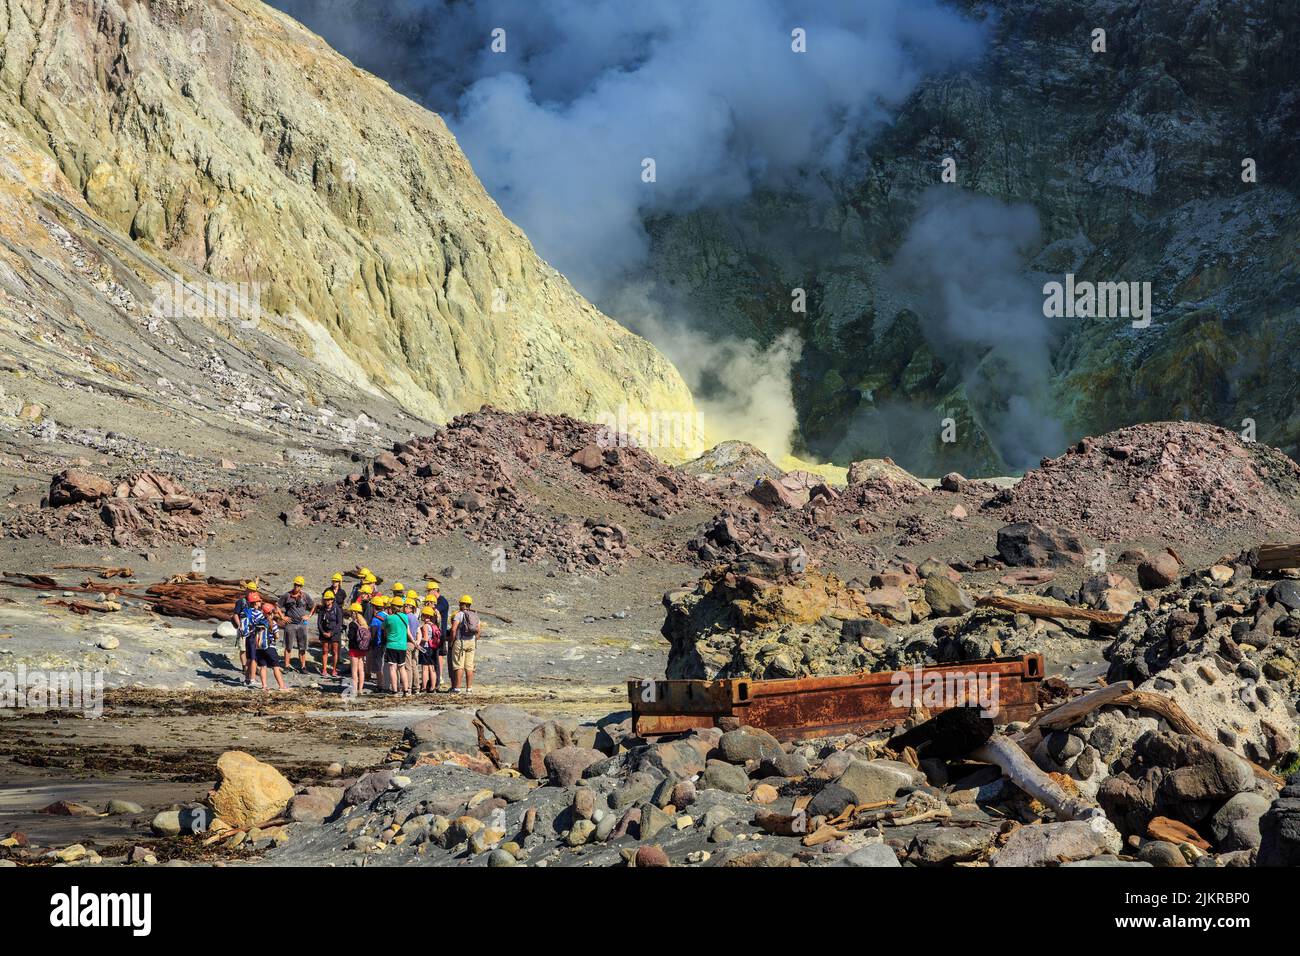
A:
x: 329, y: 631
x: 396, y: 639
x: 465, y: 631
x: 434, y: 597
x: 358, y: 646
x: 375, y: 654
x: 242, y: 603
x: 410, y: 609
x: 297, y: 606
x: 428, y: 639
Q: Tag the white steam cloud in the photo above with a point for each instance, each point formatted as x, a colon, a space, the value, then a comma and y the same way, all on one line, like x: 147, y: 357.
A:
x: 965, y: 258
x: 558, y: 126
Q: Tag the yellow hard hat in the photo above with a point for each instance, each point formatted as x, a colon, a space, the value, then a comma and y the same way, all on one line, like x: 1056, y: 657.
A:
x: 370, y: 578
x: 428, y: 612
x: 364, y: 572
x: 432, y: 585
x: 412, y: 595
x: 398, y: 587
x: 336, y: 577
x: 300, y: 580
x: 381, y: 600
x: 466, y: 599
x: 251, y: 586
x: 355, y: 607
x: 367, y: 589
x: 410, y: 602
x: 328, y: 595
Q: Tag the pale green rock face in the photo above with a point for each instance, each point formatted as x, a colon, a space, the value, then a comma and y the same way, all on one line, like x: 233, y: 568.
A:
x: 231, y: 144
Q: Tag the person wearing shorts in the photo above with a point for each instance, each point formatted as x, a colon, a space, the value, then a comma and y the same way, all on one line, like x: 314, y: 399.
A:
x: 297, y: 606
x: 248, y: 620
x: 429, y: 639
x: 358, y: 645
x: 268, y: 658
x: 396, y: 635
x: 329, y: 629
x: 434, y: 597
x: 465, y: 630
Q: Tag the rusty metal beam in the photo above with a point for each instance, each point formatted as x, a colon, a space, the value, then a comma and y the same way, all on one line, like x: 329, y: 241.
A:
x: 822, y: 706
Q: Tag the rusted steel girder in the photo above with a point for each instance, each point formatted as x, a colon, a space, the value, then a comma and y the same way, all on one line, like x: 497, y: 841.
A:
x: 1005, y: 687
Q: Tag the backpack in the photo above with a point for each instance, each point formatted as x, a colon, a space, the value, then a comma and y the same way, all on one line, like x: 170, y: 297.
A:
x: 469, y: 625
x: 432, y: 635
x: 360, y: 637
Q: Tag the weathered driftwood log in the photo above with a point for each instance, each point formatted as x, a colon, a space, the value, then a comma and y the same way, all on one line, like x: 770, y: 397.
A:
x: 1275, y: 557
x: 197, y: 600
x: 1005, y: 753
x: 1060, y: 612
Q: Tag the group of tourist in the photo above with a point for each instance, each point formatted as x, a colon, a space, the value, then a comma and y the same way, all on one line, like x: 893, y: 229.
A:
x: 401, y: 642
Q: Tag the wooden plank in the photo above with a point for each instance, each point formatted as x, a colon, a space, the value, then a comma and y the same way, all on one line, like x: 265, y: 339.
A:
x: 1276, y: 557
x: 1059, y: 612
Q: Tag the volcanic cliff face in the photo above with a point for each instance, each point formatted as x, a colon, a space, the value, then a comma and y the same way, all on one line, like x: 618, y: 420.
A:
x: 367, y: 269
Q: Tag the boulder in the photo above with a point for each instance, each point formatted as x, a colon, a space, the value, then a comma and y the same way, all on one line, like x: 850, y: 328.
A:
x: 1236, y: 824
x: 1279, y: 828
x: 449, y: 730
x: 75, y: 486
x: 564, y: 765
x: 748, y: 743
x: 873, y: 781
x: 873, y: 855
x: 882, y: 469
x: 1025, y: 544
x: 507, y: 725
x: 829, y: 801
x: 248, y: 791
x: 368, y: 787
x: 1158, y: 571
x: 315, y: 804
x: 890, y: 602
x: 945, y: 598
x: 947, y: 845
x: 1109, y: 592
x: 775, y: 496
x: 719, y: 775
x: 542, y: 740
x: 1050, y: 844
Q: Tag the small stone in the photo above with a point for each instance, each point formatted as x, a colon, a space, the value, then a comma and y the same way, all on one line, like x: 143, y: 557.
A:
x: 651, y: 856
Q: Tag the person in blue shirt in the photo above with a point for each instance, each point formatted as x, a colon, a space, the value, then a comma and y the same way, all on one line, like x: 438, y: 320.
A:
x: 375, y: 657
x: 434, y: 596
x: 262, y: 631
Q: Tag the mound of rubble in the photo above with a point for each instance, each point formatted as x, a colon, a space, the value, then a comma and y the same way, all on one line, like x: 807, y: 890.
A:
x: 140, y: 509
x: 1227, y: 648
x: 733, y: 466
x: 1166, y: 480
x: 763, y: 616
x: 496, y: 476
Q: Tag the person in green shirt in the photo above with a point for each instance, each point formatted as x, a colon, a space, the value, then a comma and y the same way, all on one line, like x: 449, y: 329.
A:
x: 396, y: 634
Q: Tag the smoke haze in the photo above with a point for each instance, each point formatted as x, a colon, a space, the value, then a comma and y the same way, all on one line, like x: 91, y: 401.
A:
x: 559, y: 124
